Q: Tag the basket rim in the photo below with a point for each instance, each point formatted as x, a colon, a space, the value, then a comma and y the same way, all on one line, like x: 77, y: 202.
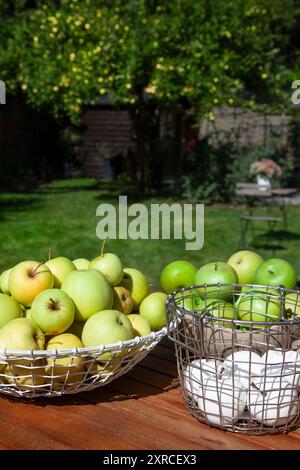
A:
x: 100, y: 349
x: 281, y: 290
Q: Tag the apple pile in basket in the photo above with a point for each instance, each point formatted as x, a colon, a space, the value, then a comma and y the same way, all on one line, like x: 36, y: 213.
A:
x: 253, y: 303
x: 63, y: 304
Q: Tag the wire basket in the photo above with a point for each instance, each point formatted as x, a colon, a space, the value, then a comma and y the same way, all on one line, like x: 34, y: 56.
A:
x: 238, y: 355
x: 32, y: 374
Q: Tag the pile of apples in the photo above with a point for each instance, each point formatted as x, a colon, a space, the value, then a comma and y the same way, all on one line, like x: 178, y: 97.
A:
x: 62, y: 304
x: 256, y: 304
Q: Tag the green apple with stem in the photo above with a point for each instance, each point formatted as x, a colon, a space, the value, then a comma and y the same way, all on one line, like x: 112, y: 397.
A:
x: 4, y: 278
x: 245, y: 263
x: 216, y: 273
x: 140, y: 325
x: 81, y: 263
x: 153, y: 309
x: 27, y: 279
x: 9, y: 309
x: 60, y: 268
x: 90, y: 292
x: 258, y: 307
x: 276, y: 272
x: 53, y: 311
x: 176, y: 275
x: 108, y: 264
x: 136, y: 283
x: 107, y: 327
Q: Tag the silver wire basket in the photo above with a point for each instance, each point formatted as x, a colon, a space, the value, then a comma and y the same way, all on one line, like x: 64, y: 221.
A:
x: 238, y: 355
x: 39, y: 373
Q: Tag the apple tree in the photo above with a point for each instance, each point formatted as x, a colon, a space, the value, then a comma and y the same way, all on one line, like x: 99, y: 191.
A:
x: 186, y: 57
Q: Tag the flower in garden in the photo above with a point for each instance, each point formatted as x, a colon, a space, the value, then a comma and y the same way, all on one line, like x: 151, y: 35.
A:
x: 267, y: 168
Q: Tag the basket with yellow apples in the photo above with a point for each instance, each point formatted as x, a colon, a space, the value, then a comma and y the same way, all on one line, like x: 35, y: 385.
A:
x: 67, y: 327
x: 238, y: 346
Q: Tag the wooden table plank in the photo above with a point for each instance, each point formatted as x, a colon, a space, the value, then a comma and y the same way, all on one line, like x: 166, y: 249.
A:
x: 142, y: 410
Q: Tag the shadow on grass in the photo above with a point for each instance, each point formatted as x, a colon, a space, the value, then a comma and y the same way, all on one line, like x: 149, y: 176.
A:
x: 18, y: 203
x: 274, y: 240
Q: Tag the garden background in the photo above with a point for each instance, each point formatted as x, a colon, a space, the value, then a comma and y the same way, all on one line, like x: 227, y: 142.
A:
x: 163, y: 101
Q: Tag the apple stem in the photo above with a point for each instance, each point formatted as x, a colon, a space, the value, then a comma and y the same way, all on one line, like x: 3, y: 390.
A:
x: 36, y: 268
x: 49, y: 254
x: 102, y: 247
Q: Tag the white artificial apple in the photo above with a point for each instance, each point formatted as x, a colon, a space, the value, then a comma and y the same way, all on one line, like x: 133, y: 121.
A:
x: 140, y: 325
x: 9, y: 309
x: 245, y: 263
x: 4, y: 278
x: 246, y: 366
x: 81, y: 263
x: 273, y: 401
x: 153, y: 309
x: 21, y: 334
x: 222, y: 401
x: 110, y: 265
x: 106, y: 327
x: 135, y: 281
x: 198, y: 372
x: 28, y: 279
x: 68, y: 369
x: 60, y: 268
x: 53, y: 311
x: 284, y: 364
x: 90, y: 292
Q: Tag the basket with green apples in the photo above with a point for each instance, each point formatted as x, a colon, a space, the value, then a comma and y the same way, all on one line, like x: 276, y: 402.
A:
x: 71, y: 326
x: 236, y: 330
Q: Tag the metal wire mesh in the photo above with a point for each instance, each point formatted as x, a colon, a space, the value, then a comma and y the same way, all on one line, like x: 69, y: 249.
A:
x: 53, y: 373
x: 238, y: 355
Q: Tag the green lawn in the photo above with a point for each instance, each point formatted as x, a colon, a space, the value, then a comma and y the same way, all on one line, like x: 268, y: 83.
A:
x: 62, y: 216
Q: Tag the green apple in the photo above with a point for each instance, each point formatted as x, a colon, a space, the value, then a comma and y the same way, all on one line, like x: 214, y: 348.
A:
x: 221, y: 309
x: 4, y: 281
x: 68, y: 369
x: 140, y: 325
x: 107, y: 327
x: 191, y: 303
x: 81, y: 263
x: 110, y: 265
x: 90, y: 292
x: 245, y: 263
x: 60, y: 268
x: 153, y: 309
x: 176, y: 275
x: 9, y: 309
x: 76, y: 328
x: 292, y: 304
x: 215, y: 273
x: 53, y: 311
x: 246, y: 290
x: 258, y: 307
x: 28, y: 279
x: 276, y: 272
x: 136, y: 283
x: 122, y: 300
x: 21, y: 334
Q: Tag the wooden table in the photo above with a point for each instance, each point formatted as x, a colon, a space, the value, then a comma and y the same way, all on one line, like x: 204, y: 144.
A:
x: 142, y: 410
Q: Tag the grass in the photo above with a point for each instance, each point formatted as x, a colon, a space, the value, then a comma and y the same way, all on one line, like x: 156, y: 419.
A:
x: 62, y: 215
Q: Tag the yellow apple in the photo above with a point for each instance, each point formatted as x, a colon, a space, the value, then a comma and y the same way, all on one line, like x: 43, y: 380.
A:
x: 81, y: 263
x: 60, y: 268
x: 4, y: 281
x: 28, y: 279
x: 153, y: 309
x: 135, y: 281
x: 140, y: 325
x: 25, y: 378
x: 9, y: 309
x: 122, y: 300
